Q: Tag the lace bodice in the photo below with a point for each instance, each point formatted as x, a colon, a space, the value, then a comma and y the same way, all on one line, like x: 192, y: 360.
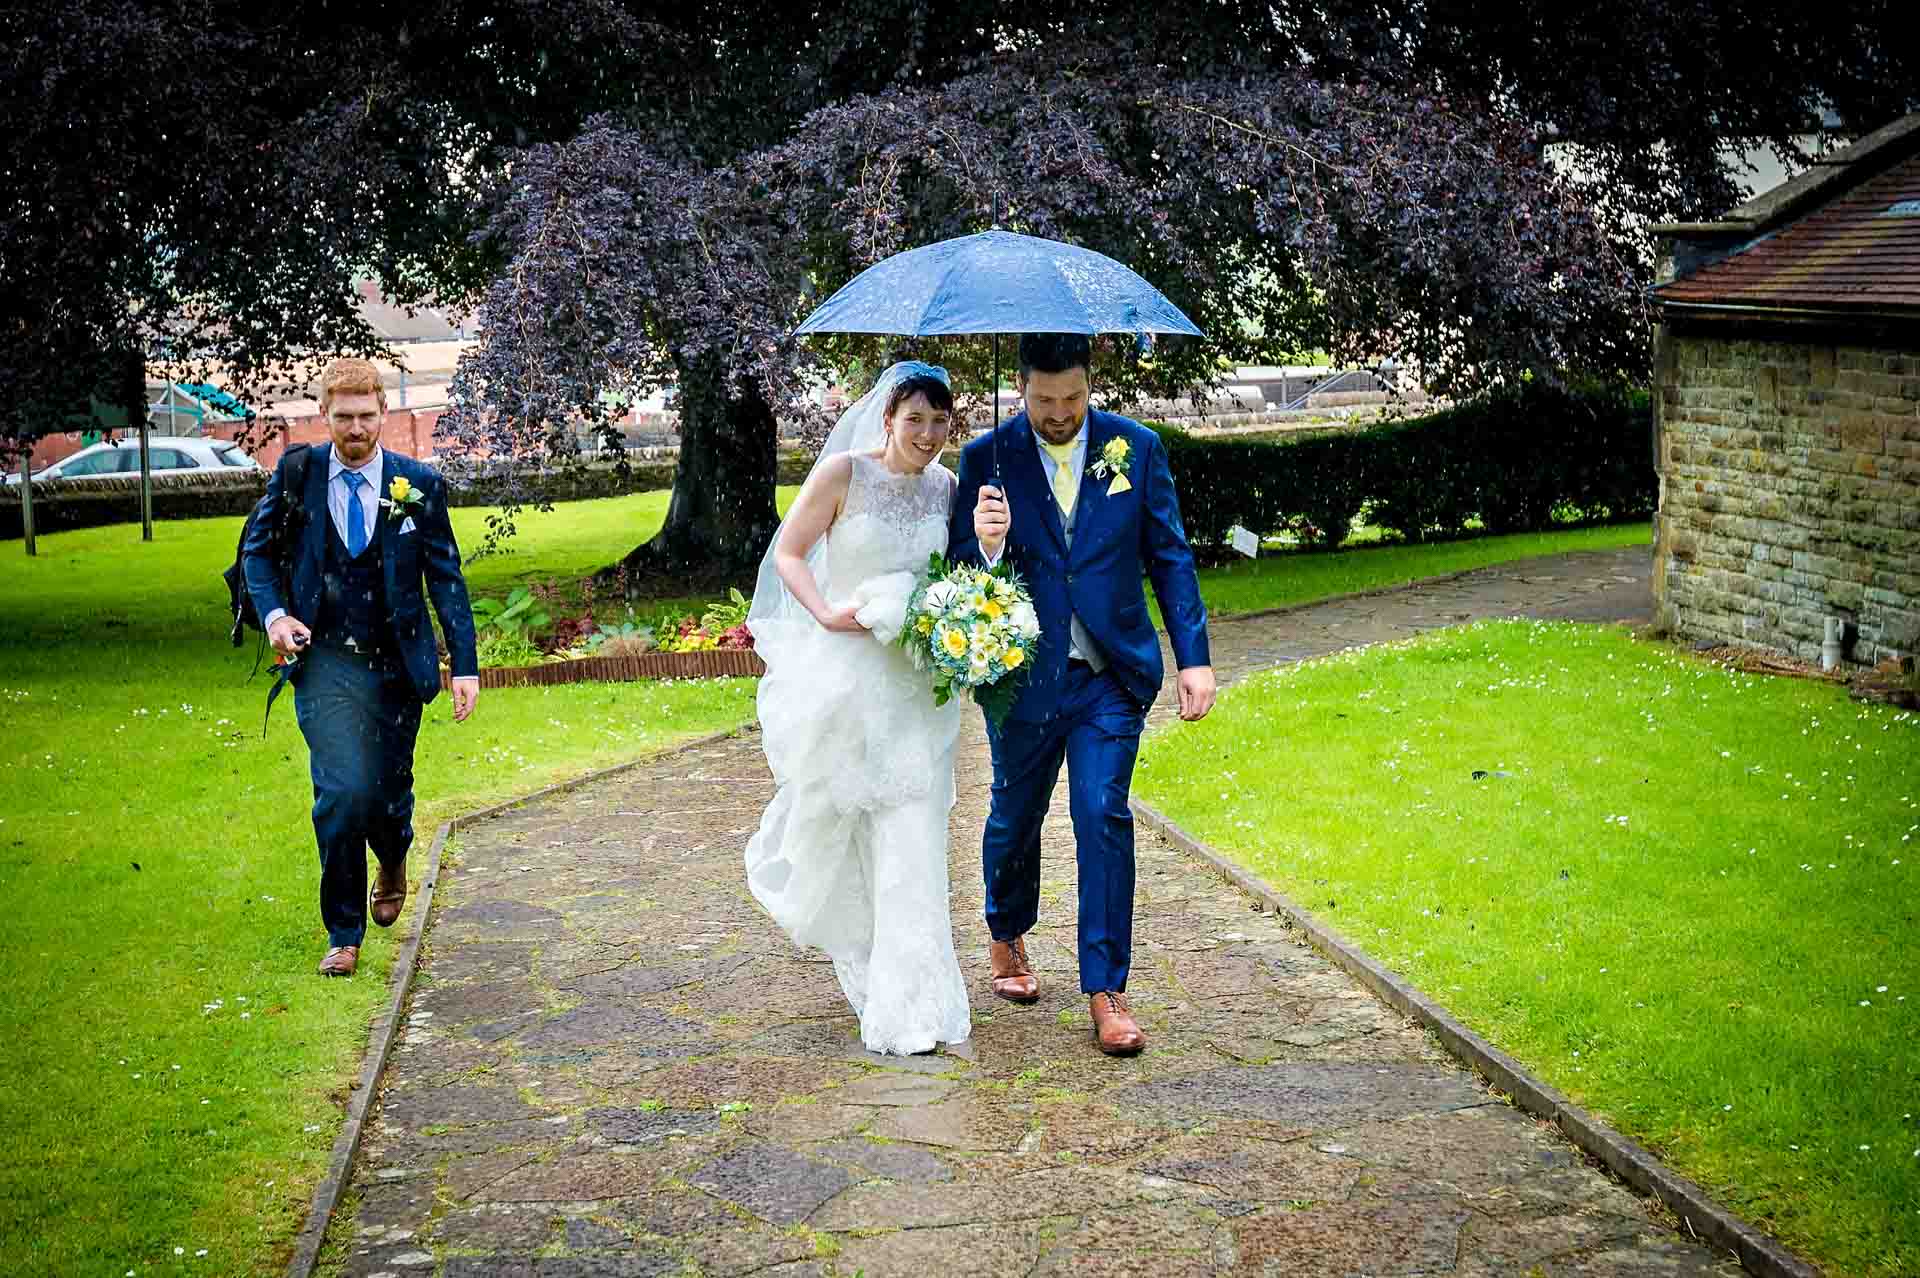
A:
x: 890, y: 523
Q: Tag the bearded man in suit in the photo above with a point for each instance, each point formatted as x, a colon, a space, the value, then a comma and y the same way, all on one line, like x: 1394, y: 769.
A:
x: 372, y: 544
x: 1086, y: 511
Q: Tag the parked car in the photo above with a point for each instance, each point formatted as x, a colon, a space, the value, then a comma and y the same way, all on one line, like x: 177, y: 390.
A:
x: 166, y: 452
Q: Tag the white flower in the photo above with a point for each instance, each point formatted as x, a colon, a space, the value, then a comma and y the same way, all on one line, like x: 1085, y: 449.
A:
x: 940, y: 594
x: 1025, y: 619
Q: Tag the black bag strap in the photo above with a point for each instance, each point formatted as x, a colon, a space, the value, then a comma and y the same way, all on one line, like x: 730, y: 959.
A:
x: 299, y: 457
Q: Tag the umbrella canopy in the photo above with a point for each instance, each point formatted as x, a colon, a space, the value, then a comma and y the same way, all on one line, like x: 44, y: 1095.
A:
x: 998, y: 282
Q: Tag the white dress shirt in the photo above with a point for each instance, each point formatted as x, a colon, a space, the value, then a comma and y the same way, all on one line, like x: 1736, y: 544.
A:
x: 370, y: 494
x: 337, y: 492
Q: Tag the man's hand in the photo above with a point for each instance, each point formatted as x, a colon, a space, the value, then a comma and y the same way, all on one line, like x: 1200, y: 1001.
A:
x: 288, y: 635
x: 991, y: 520
x: 1196, y: 692
x: 466, y: 691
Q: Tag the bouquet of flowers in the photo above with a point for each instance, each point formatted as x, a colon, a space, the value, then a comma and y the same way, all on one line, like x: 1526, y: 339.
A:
x: 976, y: 630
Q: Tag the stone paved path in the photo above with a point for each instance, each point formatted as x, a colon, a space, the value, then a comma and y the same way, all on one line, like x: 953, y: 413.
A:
x: 615, y: 1066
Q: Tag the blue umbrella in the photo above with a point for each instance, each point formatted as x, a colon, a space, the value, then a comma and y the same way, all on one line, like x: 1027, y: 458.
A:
x: 998, y: 282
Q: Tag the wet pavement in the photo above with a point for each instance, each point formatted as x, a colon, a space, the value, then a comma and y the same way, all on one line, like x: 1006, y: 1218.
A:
x: 615, y: 1066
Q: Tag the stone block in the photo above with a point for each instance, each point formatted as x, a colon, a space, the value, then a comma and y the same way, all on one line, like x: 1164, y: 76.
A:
x: 1863, y: 434
x: 1846, y: 594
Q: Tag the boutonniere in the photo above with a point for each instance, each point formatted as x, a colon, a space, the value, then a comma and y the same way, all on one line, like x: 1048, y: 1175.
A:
x: 402, y: 499
x: 1116, y: 459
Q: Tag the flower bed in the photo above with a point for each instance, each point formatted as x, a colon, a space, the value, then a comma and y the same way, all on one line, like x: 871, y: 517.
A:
x: 713, y: 663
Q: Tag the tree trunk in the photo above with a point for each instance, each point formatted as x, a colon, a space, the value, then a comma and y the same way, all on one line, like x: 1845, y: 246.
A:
x: 722, y: 512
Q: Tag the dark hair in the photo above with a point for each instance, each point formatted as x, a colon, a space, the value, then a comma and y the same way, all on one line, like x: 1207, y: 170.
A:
x: 938, y: 393
x: 1055, y: 352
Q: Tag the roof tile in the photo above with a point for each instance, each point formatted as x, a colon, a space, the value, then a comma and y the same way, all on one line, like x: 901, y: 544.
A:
x: 1851, y: 254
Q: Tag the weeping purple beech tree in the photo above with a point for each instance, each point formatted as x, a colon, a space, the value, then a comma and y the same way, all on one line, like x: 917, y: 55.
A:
x: 1281, y: 212
x: 645, y: 193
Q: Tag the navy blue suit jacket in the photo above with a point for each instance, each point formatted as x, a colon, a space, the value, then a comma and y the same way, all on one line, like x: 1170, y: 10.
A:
x: 428, y: 553
x: 1118, y: 540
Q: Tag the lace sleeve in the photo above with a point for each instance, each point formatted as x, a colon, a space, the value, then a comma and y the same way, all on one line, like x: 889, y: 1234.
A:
x: 949, y: 487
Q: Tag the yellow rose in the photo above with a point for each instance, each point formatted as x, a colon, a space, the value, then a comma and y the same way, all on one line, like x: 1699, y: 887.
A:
x: 1012, y: 658
x: 954, y: 641
x: 400, y: 489
x: 993, y: 610
x: 925, y: 625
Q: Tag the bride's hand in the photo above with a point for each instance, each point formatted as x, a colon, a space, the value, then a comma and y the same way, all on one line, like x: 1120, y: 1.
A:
x: 844, y: 620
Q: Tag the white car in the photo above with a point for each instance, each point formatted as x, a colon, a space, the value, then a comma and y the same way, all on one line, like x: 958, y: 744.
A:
x: 166, y: 453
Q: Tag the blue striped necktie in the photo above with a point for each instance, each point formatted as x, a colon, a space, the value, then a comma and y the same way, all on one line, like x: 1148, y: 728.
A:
x: 356, y: 513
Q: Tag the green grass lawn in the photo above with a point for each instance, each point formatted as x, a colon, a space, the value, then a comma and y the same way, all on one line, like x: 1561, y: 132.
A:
x: 1683, y: 896
x: 1278, y: 579
x: 178, y: 1071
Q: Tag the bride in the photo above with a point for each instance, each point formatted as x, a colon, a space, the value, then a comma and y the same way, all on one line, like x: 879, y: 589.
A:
x: 851, y: 855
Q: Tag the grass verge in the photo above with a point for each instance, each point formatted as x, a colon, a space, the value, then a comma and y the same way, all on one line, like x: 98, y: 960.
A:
x: 1683, y: 896
x: 1278, y: 580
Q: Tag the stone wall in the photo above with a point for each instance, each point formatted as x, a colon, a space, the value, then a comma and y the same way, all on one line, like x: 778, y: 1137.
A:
x: 115, y: 499
x: 1789, y: 490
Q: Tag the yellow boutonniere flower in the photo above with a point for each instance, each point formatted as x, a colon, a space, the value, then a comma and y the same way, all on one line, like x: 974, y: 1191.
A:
x: 401, y: 498
x: 1115, y: 459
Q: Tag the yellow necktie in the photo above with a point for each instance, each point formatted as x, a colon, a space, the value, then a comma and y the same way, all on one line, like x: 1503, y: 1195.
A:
x: 1066, y: 480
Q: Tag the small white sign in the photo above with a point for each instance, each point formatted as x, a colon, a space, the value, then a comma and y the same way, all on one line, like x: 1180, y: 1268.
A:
x: 1245, y: 542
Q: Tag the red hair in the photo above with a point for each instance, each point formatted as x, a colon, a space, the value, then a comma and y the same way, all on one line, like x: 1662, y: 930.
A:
x: 347, y: 376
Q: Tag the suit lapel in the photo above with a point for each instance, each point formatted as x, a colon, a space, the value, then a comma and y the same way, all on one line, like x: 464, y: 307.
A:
x: 319, y: 517
x: 1024, y: 454
x: 382, y: 531
x: 1092, y: 501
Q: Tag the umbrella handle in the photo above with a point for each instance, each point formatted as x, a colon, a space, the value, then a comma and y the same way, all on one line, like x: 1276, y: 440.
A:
x: 996, y: 394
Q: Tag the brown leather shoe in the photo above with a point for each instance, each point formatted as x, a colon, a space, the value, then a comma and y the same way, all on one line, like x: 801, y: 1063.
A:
x: 1113, y: 1024
x: 388, y: 896
x: 1013, y: 977
x: 340, y: 961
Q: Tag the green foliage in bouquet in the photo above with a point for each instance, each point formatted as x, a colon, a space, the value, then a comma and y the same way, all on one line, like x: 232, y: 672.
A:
x: 974, y: 630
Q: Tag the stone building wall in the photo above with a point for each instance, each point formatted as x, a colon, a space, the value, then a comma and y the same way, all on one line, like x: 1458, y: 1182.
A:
x: 1789, y: 491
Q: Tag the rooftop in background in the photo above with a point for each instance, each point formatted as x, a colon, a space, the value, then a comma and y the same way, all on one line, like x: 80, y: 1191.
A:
x: 393, y: 322
x: 1843, y: 238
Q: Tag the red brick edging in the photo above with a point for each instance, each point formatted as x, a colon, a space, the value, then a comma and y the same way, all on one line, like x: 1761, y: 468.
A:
x: 714, y: 663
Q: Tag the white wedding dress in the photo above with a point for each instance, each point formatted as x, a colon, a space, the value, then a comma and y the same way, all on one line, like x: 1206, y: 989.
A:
x: 851, y: 855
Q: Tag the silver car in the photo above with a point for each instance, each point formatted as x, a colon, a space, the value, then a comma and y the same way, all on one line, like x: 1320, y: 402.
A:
x: 167, y: 453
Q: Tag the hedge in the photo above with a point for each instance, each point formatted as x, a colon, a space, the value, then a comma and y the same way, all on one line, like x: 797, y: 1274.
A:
x: 1516, y: 460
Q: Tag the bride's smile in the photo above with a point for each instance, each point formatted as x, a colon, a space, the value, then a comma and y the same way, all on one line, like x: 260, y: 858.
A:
x: 916, y: 432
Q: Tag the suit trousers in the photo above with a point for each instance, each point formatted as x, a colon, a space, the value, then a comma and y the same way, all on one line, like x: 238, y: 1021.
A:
x: 1096, y: 732
x: 360, y: 719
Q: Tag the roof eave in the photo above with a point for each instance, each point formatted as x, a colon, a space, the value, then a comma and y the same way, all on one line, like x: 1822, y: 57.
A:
x: 1784, y: 314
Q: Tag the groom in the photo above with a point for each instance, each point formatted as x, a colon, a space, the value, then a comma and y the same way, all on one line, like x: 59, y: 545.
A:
x: 1084, y: 507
